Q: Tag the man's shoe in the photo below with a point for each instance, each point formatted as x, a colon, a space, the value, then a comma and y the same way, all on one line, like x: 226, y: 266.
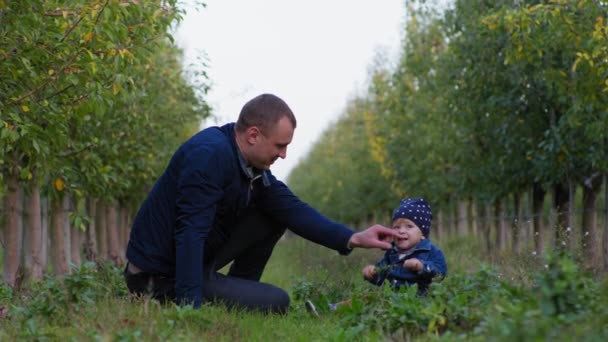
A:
x: 310, y: 307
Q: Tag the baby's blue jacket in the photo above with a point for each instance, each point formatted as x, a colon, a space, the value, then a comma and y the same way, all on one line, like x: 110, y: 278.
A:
x: 390, y: 267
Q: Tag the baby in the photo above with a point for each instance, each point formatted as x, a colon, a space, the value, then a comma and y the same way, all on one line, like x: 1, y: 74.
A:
x: 413, y: 259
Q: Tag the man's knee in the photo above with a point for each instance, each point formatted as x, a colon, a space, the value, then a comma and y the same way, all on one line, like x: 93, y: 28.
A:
x: 280, y: 303
x: 246, y: 294
x: 267, y: 299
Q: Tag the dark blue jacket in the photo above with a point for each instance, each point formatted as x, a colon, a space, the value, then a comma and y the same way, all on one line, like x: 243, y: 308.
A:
x: 207, y: 185
x: 390, y: 267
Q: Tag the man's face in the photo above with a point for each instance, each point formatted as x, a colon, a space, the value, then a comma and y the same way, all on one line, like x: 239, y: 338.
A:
x: 271, y: 145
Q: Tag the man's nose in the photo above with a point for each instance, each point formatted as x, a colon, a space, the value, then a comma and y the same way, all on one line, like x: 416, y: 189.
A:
x: 283, y: 153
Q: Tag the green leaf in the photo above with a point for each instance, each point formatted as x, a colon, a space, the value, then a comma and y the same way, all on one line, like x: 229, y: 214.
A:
x: 35, y: 145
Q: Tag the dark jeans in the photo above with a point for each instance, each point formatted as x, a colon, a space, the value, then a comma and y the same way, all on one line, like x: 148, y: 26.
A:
x: 248, y: 245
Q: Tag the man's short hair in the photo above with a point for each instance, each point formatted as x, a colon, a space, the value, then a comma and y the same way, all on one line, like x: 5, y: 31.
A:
x: 264, y: 111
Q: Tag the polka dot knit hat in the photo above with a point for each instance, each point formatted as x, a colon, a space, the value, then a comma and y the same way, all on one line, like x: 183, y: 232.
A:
x: 416, y: 210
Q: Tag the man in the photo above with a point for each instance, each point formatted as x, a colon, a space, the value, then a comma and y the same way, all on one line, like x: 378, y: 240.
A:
x: 217, y: 202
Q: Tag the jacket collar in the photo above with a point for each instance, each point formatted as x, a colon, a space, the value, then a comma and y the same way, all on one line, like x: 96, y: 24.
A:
x: 424, y: 245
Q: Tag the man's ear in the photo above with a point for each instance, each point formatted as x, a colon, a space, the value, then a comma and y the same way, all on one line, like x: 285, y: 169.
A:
x: 252, y: 134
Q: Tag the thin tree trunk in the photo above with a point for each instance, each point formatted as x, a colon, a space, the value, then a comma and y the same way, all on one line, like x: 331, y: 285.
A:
x: 90, y: 251
x: 450, y: 220
x: 473, y: 215
x: 590, y: 237
x: 570, y: 231
x: 75, y: 236
x: 13, y: 232
x: 66, y: 202
x: 102, y: 235
x: 35, y: 265
x: 561, y: 202
x: 499, y: 225
x: 124, y: 230
x: 59, y: 248
x: 462, y: 224
x: 605, y: 241
x: 485, y: 226
x: 538, y: 199
x: 453, y: 219
x: 439, y: 223
x: 112, y: 224
x: 26, y: 260
x: 44, y: 257
x: 517, y: 224
x: 504, y: 222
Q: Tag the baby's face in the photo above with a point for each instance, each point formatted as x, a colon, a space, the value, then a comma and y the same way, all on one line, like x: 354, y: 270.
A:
x: 409, y: 234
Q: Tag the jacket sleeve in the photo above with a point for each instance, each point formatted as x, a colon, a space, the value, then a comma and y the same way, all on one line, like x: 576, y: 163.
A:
x: 434, y: 266
x: 281, y: 204
x: 199, y: 191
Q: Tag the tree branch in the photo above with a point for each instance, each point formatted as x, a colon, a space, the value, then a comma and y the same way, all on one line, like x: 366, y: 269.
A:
x: 72, y: 153
x: 47, y: 81
x: 60, y: 91
x: 71, y: 28
x: 58, y: 14
x: 76, y: 100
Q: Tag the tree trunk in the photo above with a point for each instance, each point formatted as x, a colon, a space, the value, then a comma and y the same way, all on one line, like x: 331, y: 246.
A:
x: 485, y: 226
x: 439, y: 223
x: 75, y: 235
x: 571, y: 232
x: 473, y: 212
x: 561, y: 203
x: 112, y: 224
x: 538, y: 199
x: 65, y: 204
x: 102, y: 236
x: 13, y: 232
x: 90, y: 249
x: 26, y: 260
x: 590, y: 236
x: 448, y: 214
x: 516, y: 224
x: 463, y: 222
x: 59, y: 248
x: 453, y: 219
x: 35, y: 265
x: 124, y: 230
x: 499, y: 223
x: 44, y: 204
x: 605, y: 242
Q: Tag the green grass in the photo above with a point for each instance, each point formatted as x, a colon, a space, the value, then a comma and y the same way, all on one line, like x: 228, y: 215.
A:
x: 518, y: 298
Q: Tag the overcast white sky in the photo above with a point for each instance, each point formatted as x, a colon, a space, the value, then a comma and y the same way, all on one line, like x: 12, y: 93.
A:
x: 314, y: 54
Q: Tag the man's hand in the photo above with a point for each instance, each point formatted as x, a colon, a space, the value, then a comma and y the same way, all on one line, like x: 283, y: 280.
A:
x: 369, y: 272
x: 376, y: 236
x: 413, y: 265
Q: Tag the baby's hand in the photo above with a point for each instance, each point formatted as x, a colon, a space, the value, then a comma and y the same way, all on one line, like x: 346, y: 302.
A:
x: 413, y: 265
x: 369, y: 271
